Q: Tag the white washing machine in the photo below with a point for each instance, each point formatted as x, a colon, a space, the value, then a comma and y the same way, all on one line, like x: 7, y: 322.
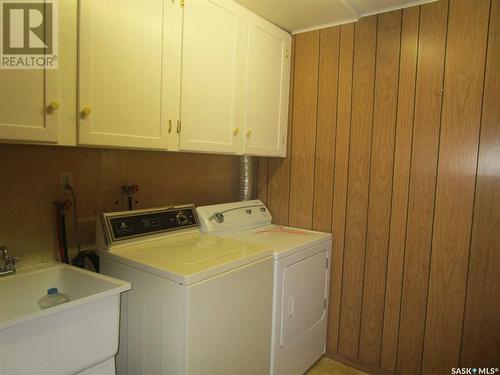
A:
x: 199, y: 304
x: 301, y: 279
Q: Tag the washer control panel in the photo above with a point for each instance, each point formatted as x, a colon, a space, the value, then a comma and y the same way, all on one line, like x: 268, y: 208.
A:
x: 131, y: 224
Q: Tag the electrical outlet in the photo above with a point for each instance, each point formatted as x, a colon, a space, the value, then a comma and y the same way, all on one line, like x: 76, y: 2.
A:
x: 65, y: 178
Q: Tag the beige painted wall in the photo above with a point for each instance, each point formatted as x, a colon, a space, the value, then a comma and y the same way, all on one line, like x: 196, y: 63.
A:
x: 29, y: 178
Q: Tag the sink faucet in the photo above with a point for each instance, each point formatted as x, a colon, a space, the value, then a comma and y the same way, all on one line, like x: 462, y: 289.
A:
x: 7, y: 262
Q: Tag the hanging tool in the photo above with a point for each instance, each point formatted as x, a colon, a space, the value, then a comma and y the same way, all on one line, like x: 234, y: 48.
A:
x: 130, y: 190
x: 61, y: 208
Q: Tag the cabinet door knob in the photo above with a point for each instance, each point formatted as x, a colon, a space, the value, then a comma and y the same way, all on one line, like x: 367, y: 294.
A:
x: 249, y: 133
x: 236, y: 132
x: 179, y: 126
x: 169, y: 126
x: 86, y: 111
x: 53, y: 106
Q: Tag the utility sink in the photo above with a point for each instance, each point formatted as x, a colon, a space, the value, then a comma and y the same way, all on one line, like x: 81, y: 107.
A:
x: 77, y: 337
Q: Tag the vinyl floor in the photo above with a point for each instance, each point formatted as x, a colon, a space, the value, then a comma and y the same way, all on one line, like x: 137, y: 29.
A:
x: 326, y: 366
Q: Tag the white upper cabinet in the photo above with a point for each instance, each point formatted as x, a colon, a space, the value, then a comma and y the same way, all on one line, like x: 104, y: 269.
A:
x: 29, y: 105
x: 120, y: 73
x: 189, y: 75
x: 213, y: 75
x: 267, y: 87
x: 37, y: 105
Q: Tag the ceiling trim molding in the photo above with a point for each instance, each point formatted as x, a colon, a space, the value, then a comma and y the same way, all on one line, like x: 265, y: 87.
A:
x: 389, y: 9
x: 326, y: 25
x: 397, y: 7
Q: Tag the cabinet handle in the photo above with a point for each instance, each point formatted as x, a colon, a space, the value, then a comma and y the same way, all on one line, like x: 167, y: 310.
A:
x: 236, y: 132
x: 86, y: 111
x: 178, y: 126
x: 169, y: 126
x: 53, y: 106
x: 249, y: 133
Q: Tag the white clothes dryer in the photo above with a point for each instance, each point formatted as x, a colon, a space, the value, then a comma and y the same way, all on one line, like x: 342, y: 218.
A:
x: 301, y: 279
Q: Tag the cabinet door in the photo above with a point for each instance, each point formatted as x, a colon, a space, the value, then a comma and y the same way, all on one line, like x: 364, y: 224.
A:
x: 213, y: 69
x: 120, y: 82
x: 267, y: 86
x: 25, y: 99
x: 171, y: 85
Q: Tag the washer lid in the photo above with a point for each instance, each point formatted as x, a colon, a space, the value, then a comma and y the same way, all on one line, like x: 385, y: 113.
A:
x: 190, y: 258
x: 284, y: 241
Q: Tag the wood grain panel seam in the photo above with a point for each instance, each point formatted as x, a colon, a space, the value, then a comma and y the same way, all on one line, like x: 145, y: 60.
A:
x: 369, y: 182
x: 347, y: 175
x: 392, y: 183
x: 475, y: 184
x: 267, y: 178
x: 267, y: 181
x: 262, y: 187
x: 334, y: 168
x: 409, y: 183
x: 304, y: 130
x: 316, y: 131
x: 336, y: 120
x: 435, y: 188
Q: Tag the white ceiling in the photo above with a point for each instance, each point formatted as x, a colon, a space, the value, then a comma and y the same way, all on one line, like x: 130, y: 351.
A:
x: 298, y: 16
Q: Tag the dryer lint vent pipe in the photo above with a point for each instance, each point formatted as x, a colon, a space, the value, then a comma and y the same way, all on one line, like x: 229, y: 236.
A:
x: 247, y: 178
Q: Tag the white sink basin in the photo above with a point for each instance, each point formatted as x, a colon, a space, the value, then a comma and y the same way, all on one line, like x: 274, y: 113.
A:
x: 78, y: 337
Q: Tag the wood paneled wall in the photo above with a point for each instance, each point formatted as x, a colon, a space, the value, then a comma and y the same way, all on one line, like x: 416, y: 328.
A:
x: 394, y: 147
x: 29, y: 184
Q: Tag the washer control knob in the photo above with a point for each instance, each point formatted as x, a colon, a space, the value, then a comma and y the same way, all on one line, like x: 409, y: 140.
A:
x: 248, y: 211
x: 181, y: 218
x: 262, y: 209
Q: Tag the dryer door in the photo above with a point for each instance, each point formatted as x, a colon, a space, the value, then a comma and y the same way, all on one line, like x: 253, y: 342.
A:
x: 303, y: 296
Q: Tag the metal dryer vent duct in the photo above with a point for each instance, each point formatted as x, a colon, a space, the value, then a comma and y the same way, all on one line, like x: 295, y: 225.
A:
x: 247, y: 178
